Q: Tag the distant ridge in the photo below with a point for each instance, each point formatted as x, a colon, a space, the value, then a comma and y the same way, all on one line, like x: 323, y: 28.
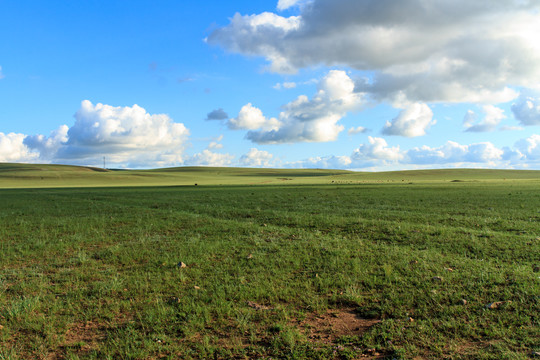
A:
x: 14, y: 175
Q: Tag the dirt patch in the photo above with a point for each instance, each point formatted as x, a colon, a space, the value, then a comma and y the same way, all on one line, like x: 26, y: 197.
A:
x: 335, y: 323
x: 84, y: 337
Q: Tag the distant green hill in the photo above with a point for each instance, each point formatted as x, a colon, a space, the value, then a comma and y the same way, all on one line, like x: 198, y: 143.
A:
x: 45, y: 176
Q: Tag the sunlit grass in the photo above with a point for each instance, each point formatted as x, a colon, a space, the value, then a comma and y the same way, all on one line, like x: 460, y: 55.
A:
x: 94, y: 272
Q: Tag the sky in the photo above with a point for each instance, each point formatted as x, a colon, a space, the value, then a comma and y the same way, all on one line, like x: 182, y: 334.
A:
x: 366, y: 85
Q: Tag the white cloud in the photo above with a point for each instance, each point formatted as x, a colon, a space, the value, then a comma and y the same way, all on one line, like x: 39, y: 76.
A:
x: 376, y: 152
x: 286, y: 4
x: 47, y: 147
x: 215, y: 144
x: 493, y: 117
x: 126, y: 136
x: 527, y: 110
x: 285, y: 85
x: 357, y: 130
x: 378, y: 155
x: 310, y: 120
x: 510, y: 128
x: 411, y: 122
x: 453, y: 152
x: 250, y: 118
x: 425, y: 51
x: 13, y: 149
x: 209, y: 158
x: 327, y: 162
x: 1, y: 74
x: 257, y: 158
x: 530, y: 147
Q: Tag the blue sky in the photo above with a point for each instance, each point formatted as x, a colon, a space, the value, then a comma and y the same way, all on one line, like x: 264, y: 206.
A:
x: 351, y: 84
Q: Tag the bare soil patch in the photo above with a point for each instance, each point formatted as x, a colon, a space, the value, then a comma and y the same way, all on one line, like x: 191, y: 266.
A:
x: 335, y: 323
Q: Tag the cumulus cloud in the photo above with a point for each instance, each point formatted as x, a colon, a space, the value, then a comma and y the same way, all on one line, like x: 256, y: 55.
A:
x: 530, y: 147
x: 286, y: 4
x: 215, y: 144
x: 357, y: 130
x: 376, y: 151
x: 251, y: 117
x: 326, y: 162
x: 411, y: 122
x: 426, y: 51
x: 493, y: 117
x: 527, y: 110
x: 256, y: 158
x: 453, y: 152
x: 47, y: 147
x: 285, y: 85
x: 218, y: 114
x: 209, y: 158
x: 378, y: 155
x: 304, y: 119
x: 13, y: 149
x: 125, y: 135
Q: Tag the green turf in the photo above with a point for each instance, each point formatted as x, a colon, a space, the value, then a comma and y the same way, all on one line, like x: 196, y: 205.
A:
x: 92, y: 273
x: 50, y: 176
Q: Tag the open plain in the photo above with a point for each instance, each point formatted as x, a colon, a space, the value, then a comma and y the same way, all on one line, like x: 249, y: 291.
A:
x: 261, y: 263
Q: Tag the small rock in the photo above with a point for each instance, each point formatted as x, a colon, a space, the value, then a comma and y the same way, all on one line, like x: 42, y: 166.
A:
x: 495, y: 305
x: 463, y: 302
x: 196, y: 287
x: 250, y: 256
x: 181, y: 265
x: 437, y: 279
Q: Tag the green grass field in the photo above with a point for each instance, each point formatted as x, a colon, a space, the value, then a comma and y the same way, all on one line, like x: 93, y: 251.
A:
x: 262, y: 263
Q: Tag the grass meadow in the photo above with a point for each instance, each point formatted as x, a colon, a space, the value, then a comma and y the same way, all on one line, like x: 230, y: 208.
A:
x: 268, y: 264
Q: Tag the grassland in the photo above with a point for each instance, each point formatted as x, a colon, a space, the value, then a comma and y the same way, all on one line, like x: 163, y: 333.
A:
x: 268, y: 264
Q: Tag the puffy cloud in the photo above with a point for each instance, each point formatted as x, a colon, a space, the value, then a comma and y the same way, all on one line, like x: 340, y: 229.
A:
x: 377, y: 152
x: 126, y: 136
x: 286, y: 4
x: 327, y: 162
x: 218, y: 114
x: 122, y: 133
x: 13, y: 149
x: 411, y: 122
x: 209, y: 158
x: 357, y: 130
x: 527, y: 110
x: 453, y: 152
x: 378, y: 155
x: 285, y: 85
x: 493, y: 116
x: 427, y: 51
x: 309, y: 120
x: 47, y: 147
x: 251, y: 117
x: 216, y: 143
x: 530, y: 147
x: 257, y: 158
